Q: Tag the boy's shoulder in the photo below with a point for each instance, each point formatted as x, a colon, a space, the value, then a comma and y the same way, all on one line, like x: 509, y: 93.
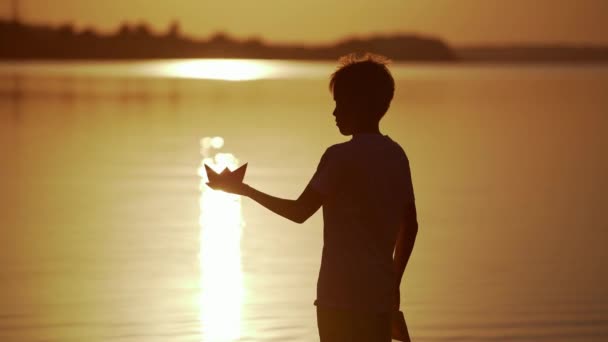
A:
x: 355, y: 146
x: 335, y: 148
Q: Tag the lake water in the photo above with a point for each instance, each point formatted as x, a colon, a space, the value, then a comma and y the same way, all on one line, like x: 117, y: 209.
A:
x: 107, y: 235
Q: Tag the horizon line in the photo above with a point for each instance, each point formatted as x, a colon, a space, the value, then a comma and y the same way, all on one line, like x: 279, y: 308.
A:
x: 352, y: 36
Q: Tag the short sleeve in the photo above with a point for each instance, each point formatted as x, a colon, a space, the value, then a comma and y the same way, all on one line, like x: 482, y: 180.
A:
x: 322, y: 179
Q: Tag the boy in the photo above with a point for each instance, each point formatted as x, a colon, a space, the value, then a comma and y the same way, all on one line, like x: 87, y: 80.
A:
x: 365, y: 188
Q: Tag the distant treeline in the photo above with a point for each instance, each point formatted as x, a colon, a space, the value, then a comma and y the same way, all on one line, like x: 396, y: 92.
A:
x: 24, y: 41
x: 535, y: 54
x: 20, y: 41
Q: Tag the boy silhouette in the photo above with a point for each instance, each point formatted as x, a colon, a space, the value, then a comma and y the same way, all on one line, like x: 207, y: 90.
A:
x: 365, y: 188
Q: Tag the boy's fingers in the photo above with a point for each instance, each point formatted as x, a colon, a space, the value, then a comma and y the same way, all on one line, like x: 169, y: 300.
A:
x: 212, y: 186
x: 231, y: 188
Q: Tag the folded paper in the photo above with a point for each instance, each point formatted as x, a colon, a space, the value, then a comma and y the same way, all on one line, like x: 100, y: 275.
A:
x: 226, y: 176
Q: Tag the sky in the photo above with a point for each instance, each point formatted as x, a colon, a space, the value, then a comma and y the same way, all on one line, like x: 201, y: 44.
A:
x: 460, y: 22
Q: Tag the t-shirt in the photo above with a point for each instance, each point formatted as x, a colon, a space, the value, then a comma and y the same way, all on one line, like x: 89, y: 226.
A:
x: 366, y: 183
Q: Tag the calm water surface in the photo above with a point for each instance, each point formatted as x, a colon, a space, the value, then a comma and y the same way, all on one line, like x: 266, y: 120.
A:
x: 108, y: 235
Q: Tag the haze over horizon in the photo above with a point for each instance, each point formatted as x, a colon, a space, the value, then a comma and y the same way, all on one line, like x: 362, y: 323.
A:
x: 463, y: 22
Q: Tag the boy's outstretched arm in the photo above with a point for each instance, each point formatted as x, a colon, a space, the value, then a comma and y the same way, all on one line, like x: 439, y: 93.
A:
x: 296, y: 210
x: 405, y: 243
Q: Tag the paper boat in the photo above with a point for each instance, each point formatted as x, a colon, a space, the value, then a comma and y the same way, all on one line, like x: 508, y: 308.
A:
x: 226, y: 175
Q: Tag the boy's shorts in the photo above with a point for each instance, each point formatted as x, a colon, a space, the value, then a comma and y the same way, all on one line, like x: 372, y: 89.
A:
x: 337, y: 325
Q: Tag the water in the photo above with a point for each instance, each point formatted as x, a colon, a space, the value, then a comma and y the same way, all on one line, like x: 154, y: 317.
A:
x: 106, y: 236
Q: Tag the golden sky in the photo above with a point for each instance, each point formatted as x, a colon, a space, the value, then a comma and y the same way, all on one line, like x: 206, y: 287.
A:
x: 310, y: 21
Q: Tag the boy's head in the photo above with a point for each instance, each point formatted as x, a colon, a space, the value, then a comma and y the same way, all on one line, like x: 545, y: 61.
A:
x: 363, y: 89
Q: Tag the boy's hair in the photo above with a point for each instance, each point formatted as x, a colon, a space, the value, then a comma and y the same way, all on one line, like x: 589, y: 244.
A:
x: 366, y: 81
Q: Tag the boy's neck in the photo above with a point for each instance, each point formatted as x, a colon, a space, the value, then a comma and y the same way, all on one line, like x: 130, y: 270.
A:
x: 368, y: 130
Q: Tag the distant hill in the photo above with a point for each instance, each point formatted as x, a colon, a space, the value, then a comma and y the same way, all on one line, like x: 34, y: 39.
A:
x: 21, y: 41
x: 534, y: 54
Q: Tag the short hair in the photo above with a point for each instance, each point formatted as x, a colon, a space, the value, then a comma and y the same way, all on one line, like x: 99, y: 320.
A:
x: 366, y: 80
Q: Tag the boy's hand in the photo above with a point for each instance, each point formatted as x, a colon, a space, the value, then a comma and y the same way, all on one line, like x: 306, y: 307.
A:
x: 399, y: 327
x: 396, y: 298
x: 228, y: 181
x: 238, y: 188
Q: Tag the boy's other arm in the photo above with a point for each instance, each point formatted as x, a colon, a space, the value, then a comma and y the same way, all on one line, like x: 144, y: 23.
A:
x: 295, y: 210
x: 405, y: 241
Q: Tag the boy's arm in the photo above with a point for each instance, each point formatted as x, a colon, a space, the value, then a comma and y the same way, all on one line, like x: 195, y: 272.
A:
x: 295, y: 210
x: 405, y: 241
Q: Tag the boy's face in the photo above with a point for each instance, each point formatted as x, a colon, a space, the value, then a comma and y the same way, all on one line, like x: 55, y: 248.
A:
x: 347, y: 113
x: 343, y: 119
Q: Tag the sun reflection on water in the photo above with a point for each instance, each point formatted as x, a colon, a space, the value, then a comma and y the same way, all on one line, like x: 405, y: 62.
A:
x: 219, y: 69
x: 220, y: 253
